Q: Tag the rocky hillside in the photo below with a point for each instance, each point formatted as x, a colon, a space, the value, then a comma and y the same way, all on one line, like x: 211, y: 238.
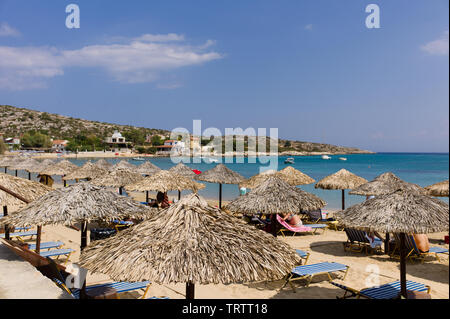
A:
x: 16, y: 121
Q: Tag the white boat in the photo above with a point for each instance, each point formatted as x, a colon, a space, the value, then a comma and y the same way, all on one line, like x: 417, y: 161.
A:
x: 138, y: 159
x: 343, y: 158
x: 325, y: 157
x: 289, y: 160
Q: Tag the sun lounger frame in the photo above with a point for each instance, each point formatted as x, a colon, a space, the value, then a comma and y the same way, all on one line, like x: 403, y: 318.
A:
x: 414, y: 253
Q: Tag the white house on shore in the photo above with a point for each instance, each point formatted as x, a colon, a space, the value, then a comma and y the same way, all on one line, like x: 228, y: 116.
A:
x: 118, y: 143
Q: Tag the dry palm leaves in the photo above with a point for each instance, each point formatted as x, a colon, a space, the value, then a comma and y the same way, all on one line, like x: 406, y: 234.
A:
x: 117, y: 178
x: 27, y: 189
x: 220, y: 174
x: 384, y: 184
x: 164, y: 181
x: 88, y: 170
x: 439, y: 189
x: 342, y: 179
x: 61, y: 168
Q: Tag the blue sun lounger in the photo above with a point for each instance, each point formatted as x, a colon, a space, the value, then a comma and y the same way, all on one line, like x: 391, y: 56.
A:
x: 309, y: 271
x: 57, y: 253
x: 415, y: 253
x: 20, y: 234
x: 303, y: 255
x: 47, y: 245
x: 122, y: 286
x: 386, y: 291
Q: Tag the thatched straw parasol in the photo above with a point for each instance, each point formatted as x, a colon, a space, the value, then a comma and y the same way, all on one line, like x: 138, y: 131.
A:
x: 275, y: 196
x: 61, y: 168
x: 81, y: 202
x: 386, y: 183
x: 26, y: 164
x: 439, y: 189
x: 40, y: 166
x: 165, y: 181
x: 343, y: 180
x: 147, y: 168
x: 193, y: 243
x: 102, y: 163
x: 6, y: 161
x: 182, y: 170
x: 289, y: 174
x: 87, y: 171
x: 124, y: 164
x: 119, y: 177
x: 222, y: 175
x: 16, y: 192
x: 399, y: 212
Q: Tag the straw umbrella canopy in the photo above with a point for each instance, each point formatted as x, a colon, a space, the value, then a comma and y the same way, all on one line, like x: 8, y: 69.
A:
x: 439, y: 189
x: 182, y: 170
x: 124, y: 164
x: 222, y: 175
x: 343, y: 180
x: 193, y: 243
x: 289, y: 174
x: 386, y: 183
x: 78, y: 203
x: 118, y: 177
x: 164, y: 181
x: 61, y: 168
x: 275, y: 196
x: 102, y: 163
x: 16, y: 192
x: 6, y: 161
x: 400, y: 212
x: 147, y: 168
x: 40, y: 166
x: 87, y: 171
x: 25, y: 165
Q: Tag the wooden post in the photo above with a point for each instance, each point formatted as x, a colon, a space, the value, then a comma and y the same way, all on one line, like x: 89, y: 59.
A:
x: 387, y: 247
x: 273, y: 224
x: 5, y: 213
x: 146, y: 196
x: 83, y: 236
x: 38, y: 240
x: 29, y: 176
x: 220, y: 196
x: 403, y: 265
x: 179, y: 195
x: 6, y: 169
x: 16, y: 173
x: 343, y: 199
x: 120, y: 190
x: 190, y: 288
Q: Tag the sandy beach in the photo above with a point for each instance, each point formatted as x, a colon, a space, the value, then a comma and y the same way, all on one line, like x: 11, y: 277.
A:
x: 326, y: 246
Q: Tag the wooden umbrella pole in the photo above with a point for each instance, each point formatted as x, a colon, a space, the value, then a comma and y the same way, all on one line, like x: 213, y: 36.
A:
x: 190, y: 289
x: 6, y: 170
x: 120, y: 190
x: 387, y: 247
x: 10, y: 192
x: 273, y: 224
x: 83, y: 236
x: 220, y: 196
x: 179, y: 195
x: 403, y: 264
x: 343, y: 199
x: 16, y: 173
x: 29, y: 176
x: 146, y: 196
x: 38, y: 239
x: 5, y: 213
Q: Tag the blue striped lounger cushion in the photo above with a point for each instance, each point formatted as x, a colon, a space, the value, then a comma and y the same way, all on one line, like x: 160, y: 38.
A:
x: 56, y: 252
x: 121, y: 286
x: 438, y: 250
x: 47, y: 245
x: 20, y: 234
x: 314, y: 269
x: 391, y: 290
x: 302, y: 253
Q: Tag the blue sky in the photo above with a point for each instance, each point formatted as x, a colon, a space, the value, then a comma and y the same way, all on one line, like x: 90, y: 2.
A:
x: 309, y: 68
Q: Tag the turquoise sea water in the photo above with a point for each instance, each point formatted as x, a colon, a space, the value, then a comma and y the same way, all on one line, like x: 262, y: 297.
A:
x: 419, y: 168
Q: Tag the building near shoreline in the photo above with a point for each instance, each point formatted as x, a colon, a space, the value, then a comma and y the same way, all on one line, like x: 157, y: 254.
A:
x: 117, y: 142
x: 59, y: 145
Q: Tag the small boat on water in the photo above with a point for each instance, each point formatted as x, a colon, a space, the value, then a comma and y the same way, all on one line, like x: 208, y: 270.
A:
x: 326, y: 157
x: 138, y: 159
x: 342, y: 158
x: 289, y: 160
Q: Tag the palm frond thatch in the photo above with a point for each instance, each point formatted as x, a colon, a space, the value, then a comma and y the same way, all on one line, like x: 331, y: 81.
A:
x: 124, y: 165
x: 384, y: 184
x: 29, y: 190
x: 25, y: 164
x: 147, y: 168
x: 439, y: 189
x: 88, y: 170
x: 102, y: 163
x: 164, y: 181
x: 77, y: 203
x: 61, y: 168
x: 342, y: 179
x: 40, y: 166
x: 119, y: 177
x: 274, y: 196
x: 398, y: 212
x: 289, y: 174
x: 191, y: 242
x: 183, y: 170
x: 220, y: 174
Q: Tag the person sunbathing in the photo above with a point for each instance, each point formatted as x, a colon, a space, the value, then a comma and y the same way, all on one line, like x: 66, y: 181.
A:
x: 292, y: 219
x: 422, y: 242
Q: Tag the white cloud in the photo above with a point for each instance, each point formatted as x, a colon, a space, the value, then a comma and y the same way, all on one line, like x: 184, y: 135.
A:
x: 7, y: 31
x: 309, y: 27
x: 137, y: 61
x: 437, y: 47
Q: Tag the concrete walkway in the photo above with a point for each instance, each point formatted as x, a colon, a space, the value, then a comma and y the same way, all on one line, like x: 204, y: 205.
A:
x: 20, y: 280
